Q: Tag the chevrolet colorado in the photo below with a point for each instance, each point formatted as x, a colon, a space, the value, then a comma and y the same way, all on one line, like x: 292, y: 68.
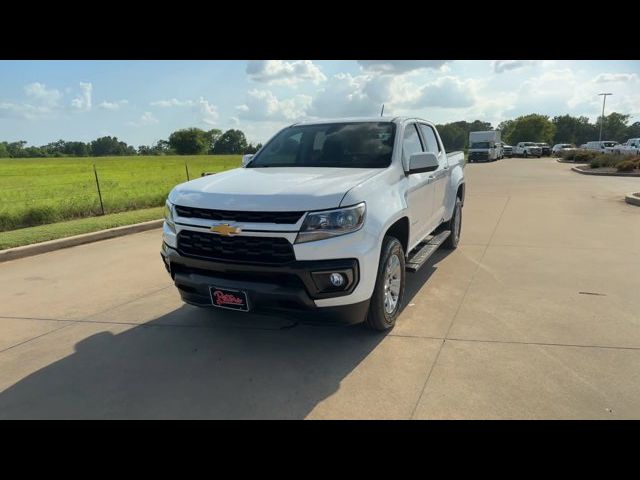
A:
x: 327, y: 217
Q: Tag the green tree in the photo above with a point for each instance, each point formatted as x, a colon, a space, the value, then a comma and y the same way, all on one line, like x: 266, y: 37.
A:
x: 529, y: 128
x: 4, y: 153
x: 76, y: 149
x: 252, y: 149
x: 576, y: 130
x: 16, y: 149
x: 189, y: 141
x: 231, y: 142
x: 212, y: 137
x: 110, y: 146
x: 453, y: 136
x: 633, y: 130
x: 615, y: 127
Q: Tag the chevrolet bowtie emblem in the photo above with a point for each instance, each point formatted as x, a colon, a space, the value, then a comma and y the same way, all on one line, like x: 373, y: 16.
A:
x: 225, y: 230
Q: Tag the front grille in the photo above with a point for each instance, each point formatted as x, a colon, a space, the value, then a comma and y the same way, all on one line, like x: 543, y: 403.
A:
x: 271, y: 250
x: 479, y: 155
x: 237, y: 216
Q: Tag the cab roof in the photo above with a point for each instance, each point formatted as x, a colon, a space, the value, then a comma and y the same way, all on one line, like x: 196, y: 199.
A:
x: 396, y: 119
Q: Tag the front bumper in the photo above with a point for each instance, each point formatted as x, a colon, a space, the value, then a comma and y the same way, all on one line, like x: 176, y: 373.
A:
x: 292, y: 287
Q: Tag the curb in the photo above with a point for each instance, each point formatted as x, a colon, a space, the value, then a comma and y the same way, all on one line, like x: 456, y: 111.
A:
x: 570, y: 161
x: 51, y: 245
x: 605, y: 174
x: 633, y: 199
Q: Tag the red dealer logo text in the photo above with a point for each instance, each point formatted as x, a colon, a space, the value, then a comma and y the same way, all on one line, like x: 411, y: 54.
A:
x: 227, y: 298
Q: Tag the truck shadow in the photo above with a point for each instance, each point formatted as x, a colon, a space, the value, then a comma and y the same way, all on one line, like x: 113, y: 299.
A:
x: 194, y: 363
x: 172, y: 368
x: 415, y: 281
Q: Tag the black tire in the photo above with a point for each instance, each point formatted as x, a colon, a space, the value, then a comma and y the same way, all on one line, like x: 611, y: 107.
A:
x: 378, y: 317
x: 455, y: 226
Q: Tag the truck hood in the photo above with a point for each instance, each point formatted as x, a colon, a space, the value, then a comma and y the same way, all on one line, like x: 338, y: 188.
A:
x: 272, y: 189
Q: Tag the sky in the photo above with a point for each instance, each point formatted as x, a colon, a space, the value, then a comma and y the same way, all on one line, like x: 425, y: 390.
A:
x: 141, y: 102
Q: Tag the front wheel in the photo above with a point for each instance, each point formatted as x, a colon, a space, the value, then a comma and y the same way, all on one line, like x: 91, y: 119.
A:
x: 389, y: 289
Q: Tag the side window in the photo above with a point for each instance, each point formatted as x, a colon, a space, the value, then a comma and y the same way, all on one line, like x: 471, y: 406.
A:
x: 410, y: 143
x: 430, y: 138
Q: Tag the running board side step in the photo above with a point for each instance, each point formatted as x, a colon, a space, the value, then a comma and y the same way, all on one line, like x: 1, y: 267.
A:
x: 419, y: 255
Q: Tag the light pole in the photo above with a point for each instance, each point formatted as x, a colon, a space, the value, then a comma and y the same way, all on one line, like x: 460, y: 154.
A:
x: 604, y: 99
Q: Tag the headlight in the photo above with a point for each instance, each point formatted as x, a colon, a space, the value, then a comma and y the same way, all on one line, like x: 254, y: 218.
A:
x: 331, y: 223
x: 168, y: 216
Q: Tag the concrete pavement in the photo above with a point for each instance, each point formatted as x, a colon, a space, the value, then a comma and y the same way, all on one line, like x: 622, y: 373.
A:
x: 535, y: 315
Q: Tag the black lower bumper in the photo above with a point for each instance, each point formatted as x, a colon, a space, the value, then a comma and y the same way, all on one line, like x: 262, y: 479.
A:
x: 291, y: 288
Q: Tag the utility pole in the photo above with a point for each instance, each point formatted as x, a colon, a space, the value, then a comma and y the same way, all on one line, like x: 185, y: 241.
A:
x: 382, y: 111
x: 604, y: 99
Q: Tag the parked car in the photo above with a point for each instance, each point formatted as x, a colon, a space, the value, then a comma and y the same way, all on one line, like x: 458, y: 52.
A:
x: 558, y: 148
x: 507, y: 150
x: 600, y: 146
x: 546, y: 149
x: 631, y: 146
x: 327, y: 217
x: 484, y: 146
x: 527, y: 149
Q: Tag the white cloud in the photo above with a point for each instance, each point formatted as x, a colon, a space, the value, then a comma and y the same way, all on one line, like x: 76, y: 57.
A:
x: 113, y: 106
x: 500, y: 66
x: 264, y: 105
x: 400, y: 66
x: 83, y: 100
x: 446, y: 92
x: 145, y: 119
x: 344, y: 96
x: 41, y: 94
x: 174, y: 102
x: 616, y: 77
x: 280, y: 72
x: 42, y: 101
x: 208, y: 112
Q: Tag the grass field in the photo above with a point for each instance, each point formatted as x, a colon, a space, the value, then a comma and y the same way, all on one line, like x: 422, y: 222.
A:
x: 41, y: 191
x: 42, y: 233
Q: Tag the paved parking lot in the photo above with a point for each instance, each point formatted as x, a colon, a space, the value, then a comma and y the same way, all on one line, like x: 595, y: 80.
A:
x: 535, y: 315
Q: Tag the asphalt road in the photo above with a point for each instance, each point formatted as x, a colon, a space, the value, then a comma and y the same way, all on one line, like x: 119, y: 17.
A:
x: 535, y: 315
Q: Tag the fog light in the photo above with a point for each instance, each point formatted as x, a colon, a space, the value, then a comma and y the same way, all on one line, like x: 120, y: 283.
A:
x: 336, y: 279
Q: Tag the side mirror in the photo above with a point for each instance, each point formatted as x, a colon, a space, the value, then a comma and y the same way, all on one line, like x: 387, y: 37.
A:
x: 246, y: 159
x: 422, y: 162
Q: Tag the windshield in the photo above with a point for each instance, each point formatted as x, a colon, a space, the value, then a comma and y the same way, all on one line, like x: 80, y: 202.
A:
x: 347, y: 145
x: 609, y: 144
x: 480, y: 145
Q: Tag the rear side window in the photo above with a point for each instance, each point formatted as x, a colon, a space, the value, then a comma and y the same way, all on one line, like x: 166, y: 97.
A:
x: 410, y: 143
x: 430, y: 138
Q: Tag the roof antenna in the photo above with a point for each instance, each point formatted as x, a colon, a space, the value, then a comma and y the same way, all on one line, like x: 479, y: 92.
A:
x: 382, y: 111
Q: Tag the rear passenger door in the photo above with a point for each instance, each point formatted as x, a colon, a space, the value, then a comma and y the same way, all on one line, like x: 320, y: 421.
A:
x: 439, y: 178
x: 419, y: 191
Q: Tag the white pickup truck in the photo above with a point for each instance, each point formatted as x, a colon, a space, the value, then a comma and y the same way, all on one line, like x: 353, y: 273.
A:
x: 527, y: 149
x: 631, y: 146
x: 326, y: 218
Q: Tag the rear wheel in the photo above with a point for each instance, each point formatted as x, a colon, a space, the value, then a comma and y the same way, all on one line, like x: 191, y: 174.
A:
x: 389, y: 290
x: 455, y: 226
